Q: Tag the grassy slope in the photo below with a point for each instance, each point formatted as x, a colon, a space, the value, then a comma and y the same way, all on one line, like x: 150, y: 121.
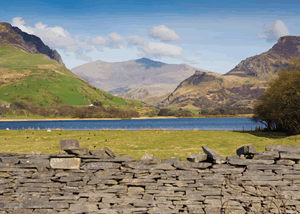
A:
x: 37, y: 78
x: 163, y: 144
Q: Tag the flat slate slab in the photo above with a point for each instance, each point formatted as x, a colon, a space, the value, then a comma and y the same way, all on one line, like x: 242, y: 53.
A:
x: 281, y: 148
x: 246, y: 150
x: 65, y: 163
x: 109, y: 152
x: 69, y: 144
x: 218, y: 159
x: 197, y: 158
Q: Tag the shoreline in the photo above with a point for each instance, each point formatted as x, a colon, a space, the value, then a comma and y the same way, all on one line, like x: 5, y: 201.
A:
x: 133, y: 118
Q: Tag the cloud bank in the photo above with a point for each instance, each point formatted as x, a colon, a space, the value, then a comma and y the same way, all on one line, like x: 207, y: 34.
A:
x: 275, y: 31
x: 163, y: 33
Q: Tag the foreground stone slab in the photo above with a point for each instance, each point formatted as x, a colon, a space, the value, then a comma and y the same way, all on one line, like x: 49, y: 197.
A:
x: 65, y: 163
x: 97, y: 152
x: 218, y: 159
x: 281, y: 148
x: 109, y: 152
x: 69, y: 144
x: 245, y: 162
x: 188, y: 165
x: 197, y: 158
x: 77, y: 151
x: 246, y: 150
x: 101, y: 165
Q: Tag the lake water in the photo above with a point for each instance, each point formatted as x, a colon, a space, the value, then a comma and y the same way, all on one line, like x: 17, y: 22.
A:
x: 232, y: 123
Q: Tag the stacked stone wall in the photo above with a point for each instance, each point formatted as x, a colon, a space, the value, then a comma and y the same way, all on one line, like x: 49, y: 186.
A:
x: 98, y: 181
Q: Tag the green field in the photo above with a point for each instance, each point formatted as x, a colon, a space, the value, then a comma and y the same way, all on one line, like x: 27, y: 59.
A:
x: 163, y: 144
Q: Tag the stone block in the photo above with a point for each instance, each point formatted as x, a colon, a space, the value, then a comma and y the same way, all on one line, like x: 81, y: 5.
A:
x: 109, y: 152
x: 197, y: 157
x: 191, y: 165
x: 147, y: 157
x: 170, y: 161
x: 84, y: 207
x: 271, y: 155
x: 285, y: 162
x: 101, y: 165
x: 281, y: 148
x: 293, y: 156
x: 245, y: 162
x: 69, y: 144
x: 65, y: 163
x: 97, y: 152
x: 218, y: 159
x: 246, y: 150
x: 77, y: 151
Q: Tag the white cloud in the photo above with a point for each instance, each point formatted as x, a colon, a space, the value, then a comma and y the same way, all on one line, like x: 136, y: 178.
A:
x: 275, y: 31
x: 114, y: 40
x: 152, y: 49
x: 98, y: 40
x: 163, y: 33
x: 19, y: 22
x: 135, y: 40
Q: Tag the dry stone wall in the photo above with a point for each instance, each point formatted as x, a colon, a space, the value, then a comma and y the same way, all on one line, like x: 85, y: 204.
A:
x: 99, y: 181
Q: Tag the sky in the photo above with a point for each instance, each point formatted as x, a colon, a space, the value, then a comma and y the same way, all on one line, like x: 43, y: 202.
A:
x: 213, y: 35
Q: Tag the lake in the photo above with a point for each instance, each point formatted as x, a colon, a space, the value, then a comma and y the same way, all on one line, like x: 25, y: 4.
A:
x: 232, y: 123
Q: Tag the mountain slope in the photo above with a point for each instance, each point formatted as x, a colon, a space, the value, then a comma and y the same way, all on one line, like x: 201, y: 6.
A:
x: 29, y: 43
x: 128, y: 79
x: 240, y: 86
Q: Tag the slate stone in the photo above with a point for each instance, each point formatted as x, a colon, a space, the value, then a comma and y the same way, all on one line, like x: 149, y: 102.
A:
x: 164, y: 166
x: 218, y: 159
x: 109, y: 152
x: 77, y: 151
x: 197, y: 157
x: 246, y: 150
x: 9, y: 160
x: 293, y: 156
x: 281, y: 148
x: 188, y: 165
x: 100, y: 165
x: 97, y: 152
x: 62, y: 156
x: 170, y: 161
x: 65, y: 163
x: 35, y: 162
x: 147, y: 157
x: 244, y: 162
x: 285, y: 162
x: 271, y: 155
x: 69, y: 144
x: 84, y: 207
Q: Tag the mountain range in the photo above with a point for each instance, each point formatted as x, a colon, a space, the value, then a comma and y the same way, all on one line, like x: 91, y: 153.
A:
x: 31, y: 71
x: 141, y: 79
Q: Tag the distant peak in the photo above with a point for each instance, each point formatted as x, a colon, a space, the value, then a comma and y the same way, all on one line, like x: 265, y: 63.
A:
x: 148, y: 63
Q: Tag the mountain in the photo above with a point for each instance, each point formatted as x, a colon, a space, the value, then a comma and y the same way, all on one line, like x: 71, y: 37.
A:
x: 27, y: 74
x: 270, y: 62
x: 29, y: 43
x: 240, y: 86
x: 130, y: 78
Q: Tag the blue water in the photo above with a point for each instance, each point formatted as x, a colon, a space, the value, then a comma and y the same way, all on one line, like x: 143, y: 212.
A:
x: 233, y: 123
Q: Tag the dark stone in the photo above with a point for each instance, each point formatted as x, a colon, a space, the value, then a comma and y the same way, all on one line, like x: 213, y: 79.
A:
x: 97, y: 152
x: 218, y: 159
x: 170, y: 161
x: 69, y: 144
x: 109, y: 152
x: 246, y: 150
x: 77, y: 151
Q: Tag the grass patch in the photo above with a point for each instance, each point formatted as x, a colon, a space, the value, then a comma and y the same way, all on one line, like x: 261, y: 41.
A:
x: 163, y: 144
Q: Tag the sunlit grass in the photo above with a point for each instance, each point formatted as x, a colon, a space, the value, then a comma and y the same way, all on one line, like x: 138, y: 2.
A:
x: 163, y: 144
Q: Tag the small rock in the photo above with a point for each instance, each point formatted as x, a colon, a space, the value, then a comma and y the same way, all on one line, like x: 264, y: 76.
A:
x: 218, y: 159
x: 197, y: 158
x: 147, y: 157
x: 109, y: 152
x: 77, y: 151
x: 97, y: 152
x: 246, y: 150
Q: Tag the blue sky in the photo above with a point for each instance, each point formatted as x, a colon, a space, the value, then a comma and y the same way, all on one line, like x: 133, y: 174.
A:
x: 214, y: 35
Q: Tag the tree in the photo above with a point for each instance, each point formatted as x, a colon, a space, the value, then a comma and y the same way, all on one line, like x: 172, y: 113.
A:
x: 279, y: 106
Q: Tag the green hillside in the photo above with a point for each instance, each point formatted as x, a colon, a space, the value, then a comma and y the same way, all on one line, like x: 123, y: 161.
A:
x: 43, y: 81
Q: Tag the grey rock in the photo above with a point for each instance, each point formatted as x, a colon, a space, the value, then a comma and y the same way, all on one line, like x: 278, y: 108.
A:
x: 244, y: 162
x: 100, y: 165
x: 9, y: 160
x: 218, y: 159
x: 170, y: 161
x: 65, y: 163
x: 69, y: 144
x: 97, y: 152
x: 271, y: 155
x: 197, y: 157
x: 77, y: 151
x: 246, y: 150
x: 285, y: 162
x: 84, y: 207
x: 232, y: 157
x: 109, y: 152
x: 147, y: 157
x: 293, y: 156
x: 35, y: 162
x: 189, y: 165
x: 281, y: 148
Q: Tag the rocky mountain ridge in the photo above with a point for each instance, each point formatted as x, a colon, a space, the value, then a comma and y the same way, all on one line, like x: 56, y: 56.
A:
x: 240, y: 86
x: 29, y: 43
